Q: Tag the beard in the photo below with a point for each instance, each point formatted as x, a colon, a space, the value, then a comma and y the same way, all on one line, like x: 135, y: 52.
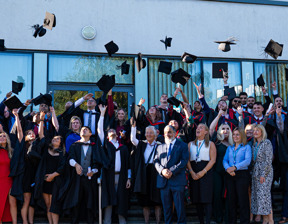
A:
x: 168, y: 140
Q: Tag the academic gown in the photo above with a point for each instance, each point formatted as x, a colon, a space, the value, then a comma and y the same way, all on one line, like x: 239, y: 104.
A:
x: 109, y: 194
x: 283, y: 142
x: 140, y: 174
x: 41, y: 172
x: 69, y: 192
x: 232, y: 121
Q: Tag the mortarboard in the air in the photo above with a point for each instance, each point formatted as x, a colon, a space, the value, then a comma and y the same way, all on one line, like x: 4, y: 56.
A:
x: 17, y: 87
x: 111, y: 48
x: 39, y: 31
x: 188, y: 58
x: 217, y: 70
x: 225, y: 45
x: 124, y: 68
x: 134, y: 111
x: 172, y: 100
x: 140, y: 62
x: 286, y: 74
x: 167, y: 42
x: 274, y: 49
x: 13, y: 103
x: 2, y: 46
x: 106, y: 83
x: 260, y: 81
x: 180, y: 76
x: 165, y: 67
x: 49, y: 21
x: 230, y: 92
x: 43, y: 99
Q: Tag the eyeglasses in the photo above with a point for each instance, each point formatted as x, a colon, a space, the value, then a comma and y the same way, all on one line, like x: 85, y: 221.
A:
x: 237, y: 101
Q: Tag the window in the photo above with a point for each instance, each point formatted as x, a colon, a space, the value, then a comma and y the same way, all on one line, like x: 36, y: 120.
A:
x: 16, y: 67
x: 77, y: 68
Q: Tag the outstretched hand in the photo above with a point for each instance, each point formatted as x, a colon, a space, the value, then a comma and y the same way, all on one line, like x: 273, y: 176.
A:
x: 141, y: 102
x: 198, y: 88
x: 132, y: 122
x: 102, y: 109
x: 88, y: 96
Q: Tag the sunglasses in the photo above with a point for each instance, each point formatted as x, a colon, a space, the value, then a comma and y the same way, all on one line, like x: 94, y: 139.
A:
x: 237, y: 101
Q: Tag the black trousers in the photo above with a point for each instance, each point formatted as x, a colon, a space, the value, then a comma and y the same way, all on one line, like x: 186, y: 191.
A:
x: 237, y: 190
x: 86, y: 196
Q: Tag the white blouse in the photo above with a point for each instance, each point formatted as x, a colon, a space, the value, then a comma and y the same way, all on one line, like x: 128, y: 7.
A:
x: 203, y: 151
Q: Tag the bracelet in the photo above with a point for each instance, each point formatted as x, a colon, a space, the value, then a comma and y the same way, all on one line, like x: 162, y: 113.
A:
x: 205, y: 170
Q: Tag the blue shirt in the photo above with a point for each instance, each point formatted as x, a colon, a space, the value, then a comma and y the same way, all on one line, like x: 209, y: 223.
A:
x: 240, y: 158
x: 73, y: 137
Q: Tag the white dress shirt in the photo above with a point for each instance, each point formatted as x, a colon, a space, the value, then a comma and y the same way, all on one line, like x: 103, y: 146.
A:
x: 148, y: 151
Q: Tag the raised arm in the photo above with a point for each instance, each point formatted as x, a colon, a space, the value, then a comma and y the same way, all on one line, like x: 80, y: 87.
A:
x: 133, y: 138
x: 279, y: 120
x: 82, y: 99
x: 110, y: 104
x: 100, y: 128
x: 215, y: 122
x: 240, y: 118
x: 18, y: 125
x: 54, y: 119
x: 41, y: 125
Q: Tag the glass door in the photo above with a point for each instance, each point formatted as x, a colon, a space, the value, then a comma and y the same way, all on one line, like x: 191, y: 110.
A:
x: 123, y: 95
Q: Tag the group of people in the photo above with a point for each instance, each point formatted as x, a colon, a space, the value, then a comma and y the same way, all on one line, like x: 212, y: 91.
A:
x: 222, y: 160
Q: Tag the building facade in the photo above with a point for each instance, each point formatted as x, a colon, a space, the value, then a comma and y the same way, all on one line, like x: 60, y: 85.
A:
x: 67, y: 65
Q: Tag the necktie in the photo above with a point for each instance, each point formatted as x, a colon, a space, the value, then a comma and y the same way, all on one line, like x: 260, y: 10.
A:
x: 169, y: 150
x: 90, y: 119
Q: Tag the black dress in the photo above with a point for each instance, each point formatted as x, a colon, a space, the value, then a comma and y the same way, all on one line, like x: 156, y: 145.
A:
x: 29, y: 171
x: 51, y: 167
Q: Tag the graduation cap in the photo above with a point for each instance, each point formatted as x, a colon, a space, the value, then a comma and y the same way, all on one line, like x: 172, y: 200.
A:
x: 188, y: 58
x: 124, y: 68
x: 13, y: 103
x: 49, y: 21
x: 39, y: 31
x: 106, y: 83
x: 230, y: 92
x: 172, y: 100
x: 43, y: 99
x: 218, y: 69
x: 165, y: 67
x: 2, y: 46
x: 111, y: 48
x: 225, y: 45
x: 140, y: 62
x: 134, y: 111
x: 167, y: 42
x: 274, y: 49
x: 180, y: 76
x: 17, y: 87
x: 260, y: 81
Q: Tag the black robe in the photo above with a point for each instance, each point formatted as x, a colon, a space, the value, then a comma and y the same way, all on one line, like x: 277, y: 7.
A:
x: 40, y: 174
x: 69, y: 192
x: 109, y: 194
x: 140, y: 174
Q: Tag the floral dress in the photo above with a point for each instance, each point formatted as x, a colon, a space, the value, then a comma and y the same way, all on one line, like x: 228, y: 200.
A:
x: 261, y: 202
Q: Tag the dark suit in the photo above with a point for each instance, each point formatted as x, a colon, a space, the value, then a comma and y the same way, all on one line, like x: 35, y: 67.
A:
x: 172, y: 189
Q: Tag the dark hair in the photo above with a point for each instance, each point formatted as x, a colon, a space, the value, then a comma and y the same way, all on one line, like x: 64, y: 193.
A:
x: 243, y: 94
x: 251, y: 97
x: 61, y: 146
x: 158, y: 114
x: 87, y: 128
x: 258, y: 103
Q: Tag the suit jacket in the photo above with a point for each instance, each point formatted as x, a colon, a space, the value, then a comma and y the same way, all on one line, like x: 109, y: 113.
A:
x: 176, y: 163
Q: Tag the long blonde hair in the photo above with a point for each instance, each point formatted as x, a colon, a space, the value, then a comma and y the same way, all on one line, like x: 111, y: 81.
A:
x: 8, y: 145
x: 264, y: 133
x: 242, y: 134
x: 206, y: 137
x: 221, y: 137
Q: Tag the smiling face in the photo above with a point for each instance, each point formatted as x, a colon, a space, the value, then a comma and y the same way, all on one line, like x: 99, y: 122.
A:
x: 152, y: 111
x: 3, y: 139
x: 150, y: 135
x: 258, y: 110
x: 243, y: 99
x: 169, y: 134
x: 121, y: 115
x: 236, y: 102
x: 249, y: 131
x: 43, y: 107
x: 257, y: 133
x: 56, y: 141
x: 236, y: 137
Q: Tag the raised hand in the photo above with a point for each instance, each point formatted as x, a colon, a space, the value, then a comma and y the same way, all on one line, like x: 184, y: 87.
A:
x: 263, y: 90
x: 52, y: 109
x: 102, y: 109
x: 221, y: 112
x: 240, y: 110
x: 42, y: 116
x: 15, y: 112
x: 141, y: 102
x: 8, y: 94
x: 198, y: 88
x: 279, y: 111
x: 274, y: 85
x: 88, y: 96
x: 27, y: 103
x: 132, y: 122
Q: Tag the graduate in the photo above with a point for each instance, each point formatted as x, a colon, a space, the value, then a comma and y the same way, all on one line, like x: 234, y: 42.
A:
x: 116, y: 175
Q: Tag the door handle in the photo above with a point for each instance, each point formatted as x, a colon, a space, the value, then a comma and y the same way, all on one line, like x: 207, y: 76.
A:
x: 131, y: 94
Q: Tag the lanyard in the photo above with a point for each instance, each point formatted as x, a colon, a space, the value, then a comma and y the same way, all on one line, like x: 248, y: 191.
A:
x: 256, y: 151
x: 153, y: 150
x: 235, y: 153
x: 198, y: 149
